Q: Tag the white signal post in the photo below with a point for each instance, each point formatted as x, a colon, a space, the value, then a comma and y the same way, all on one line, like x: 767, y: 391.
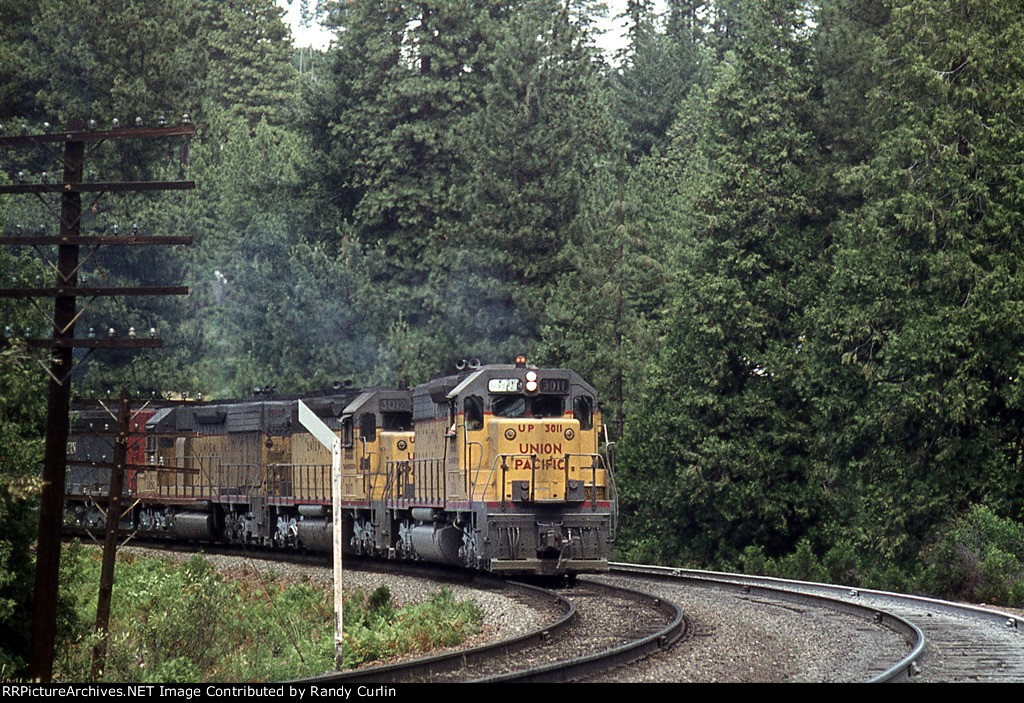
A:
x: 326, y: 437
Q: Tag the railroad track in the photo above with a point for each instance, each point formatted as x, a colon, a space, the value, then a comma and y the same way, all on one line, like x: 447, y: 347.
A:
x: 600, y: 626
x: 605, y: 622
x: 588, y: 628
x: 608, y: 622
x: 957, y: 643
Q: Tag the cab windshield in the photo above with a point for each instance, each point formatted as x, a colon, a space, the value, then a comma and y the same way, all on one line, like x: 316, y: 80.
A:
x: 521, y: 406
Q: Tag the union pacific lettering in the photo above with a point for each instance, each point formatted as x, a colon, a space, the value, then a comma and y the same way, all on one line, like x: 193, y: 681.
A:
x: 540, y: 448
x: 542, y: 463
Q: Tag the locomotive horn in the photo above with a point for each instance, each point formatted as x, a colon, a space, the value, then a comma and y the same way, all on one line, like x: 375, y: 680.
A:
x: 460, y: 365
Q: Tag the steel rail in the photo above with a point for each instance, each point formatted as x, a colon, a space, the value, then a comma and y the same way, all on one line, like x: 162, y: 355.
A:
x: 994, y: 616
x: 827, y: 596
x: 580, y: 667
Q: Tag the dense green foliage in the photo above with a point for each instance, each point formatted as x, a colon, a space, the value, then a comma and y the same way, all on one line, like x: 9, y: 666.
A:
x: 836, y: 388
x: 186, y: 622
x: 22, y: 423
x: 22, y: 418
x: 782, y: 237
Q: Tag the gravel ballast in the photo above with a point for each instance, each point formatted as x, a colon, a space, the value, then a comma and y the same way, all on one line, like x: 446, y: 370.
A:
x: 742, y: 639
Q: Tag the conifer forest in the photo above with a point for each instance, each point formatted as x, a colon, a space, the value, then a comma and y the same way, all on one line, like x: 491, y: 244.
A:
x: 783, y: 238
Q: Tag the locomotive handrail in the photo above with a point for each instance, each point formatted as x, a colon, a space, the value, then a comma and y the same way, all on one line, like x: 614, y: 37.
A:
x: 494, y: 466
x: 431, y: 483
x: 597, y: 459
x: 479, y: 458
x: 613, y: 494
x: 317, y: 487
x: 389, y: 484
x: 156, y: 463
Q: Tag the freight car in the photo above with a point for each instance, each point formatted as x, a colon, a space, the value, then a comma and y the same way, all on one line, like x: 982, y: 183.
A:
x: 495, y: 468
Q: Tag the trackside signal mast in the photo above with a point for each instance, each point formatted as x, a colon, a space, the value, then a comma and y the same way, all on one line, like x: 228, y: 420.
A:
x: 326, y: 437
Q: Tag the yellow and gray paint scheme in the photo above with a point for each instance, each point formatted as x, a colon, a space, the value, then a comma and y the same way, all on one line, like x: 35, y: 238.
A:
x: 496, y: 468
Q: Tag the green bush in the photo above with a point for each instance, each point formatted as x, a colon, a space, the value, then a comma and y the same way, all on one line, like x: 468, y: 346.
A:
x: 979, y: 557
x: 753, y: 561
x: 842, y: 564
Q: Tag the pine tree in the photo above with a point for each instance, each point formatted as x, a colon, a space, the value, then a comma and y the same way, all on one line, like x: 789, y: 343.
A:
x: 16, y: 44
x: 460, y: 136
x: 723, y: 394
x: 657, y: 69
x: 924, y: 306
x: 118, y: 59
x: 603, y: 321
x: 531, y: 148
x: 688, y: 20
x: 385, y: 121
x: 249, y: 57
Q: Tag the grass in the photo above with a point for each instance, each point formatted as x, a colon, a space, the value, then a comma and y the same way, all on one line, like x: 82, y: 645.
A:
x: 173, y: 621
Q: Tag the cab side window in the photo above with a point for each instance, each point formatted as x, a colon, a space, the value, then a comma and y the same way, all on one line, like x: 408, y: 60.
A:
x: 368, y: 426
x: 473, y: 407
x: 346, y: 431
x: 583, y: 410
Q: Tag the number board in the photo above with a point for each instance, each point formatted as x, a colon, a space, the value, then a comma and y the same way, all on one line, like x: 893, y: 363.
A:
x: 554, y: 385
x: 395, y: 405
x: 504, y: 385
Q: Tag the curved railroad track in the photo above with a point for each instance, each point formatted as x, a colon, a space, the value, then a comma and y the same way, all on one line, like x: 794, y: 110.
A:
x: 958, y: 642
x: 601, y: 626
x: 608, y: 621
x: 586, y: 629
x: 609, y: 624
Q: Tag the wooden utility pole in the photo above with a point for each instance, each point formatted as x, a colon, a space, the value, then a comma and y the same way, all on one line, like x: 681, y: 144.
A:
x: 99, y: 652
x: 51, y: 508
x: 65, y: 293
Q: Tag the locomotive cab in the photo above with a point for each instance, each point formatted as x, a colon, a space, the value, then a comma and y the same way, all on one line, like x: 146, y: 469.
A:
x: 377, y: 449
x: 376, y: 437
x: 529, y: 436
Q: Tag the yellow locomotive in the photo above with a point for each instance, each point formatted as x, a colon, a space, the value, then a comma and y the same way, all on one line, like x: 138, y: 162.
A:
x: 495, y: 468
